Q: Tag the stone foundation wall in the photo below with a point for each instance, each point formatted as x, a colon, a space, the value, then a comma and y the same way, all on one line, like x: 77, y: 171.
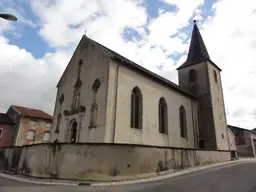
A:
x: 102, y: 161
x: 9, y: 158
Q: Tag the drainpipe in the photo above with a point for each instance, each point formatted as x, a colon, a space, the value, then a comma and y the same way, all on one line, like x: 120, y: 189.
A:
x: 116, y: 92
x: 193, y: 123
x: 225, y: 117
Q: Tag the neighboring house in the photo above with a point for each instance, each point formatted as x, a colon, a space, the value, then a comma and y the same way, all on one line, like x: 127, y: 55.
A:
x: 7, y: 130
x: 33, y: 126
x: 104, y: 97
x: 245, y: 141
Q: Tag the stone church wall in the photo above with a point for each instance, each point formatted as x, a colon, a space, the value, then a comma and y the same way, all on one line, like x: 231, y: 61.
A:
x: 119, y: 115
x: 102, y: 161
x: 95, y: 65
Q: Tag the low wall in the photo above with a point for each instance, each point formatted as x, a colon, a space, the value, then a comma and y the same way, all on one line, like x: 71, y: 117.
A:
x: 9, y: 158
x: 102, y: 161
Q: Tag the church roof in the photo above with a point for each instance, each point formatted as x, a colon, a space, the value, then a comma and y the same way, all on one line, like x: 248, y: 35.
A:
x: 197, y: 50
x: 143, y: 70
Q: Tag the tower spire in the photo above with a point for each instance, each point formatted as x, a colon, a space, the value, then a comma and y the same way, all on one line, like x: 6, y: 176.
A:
x: 197, y: 49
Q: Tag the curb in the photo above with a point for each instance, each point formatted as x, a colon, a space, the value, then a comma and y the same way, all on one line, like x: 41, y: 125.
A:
x: 157, y: 177
x: 165, y: 175
x: 25, y: 180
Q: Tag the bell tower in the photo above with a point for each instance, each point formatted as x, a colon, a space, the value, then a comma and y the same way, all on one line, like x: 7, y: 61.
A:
x: 201, y: 76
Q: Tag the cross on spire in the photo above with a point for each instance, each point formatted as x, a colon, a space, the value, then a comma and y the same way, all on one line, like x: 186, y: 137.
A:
x: 194, y: 17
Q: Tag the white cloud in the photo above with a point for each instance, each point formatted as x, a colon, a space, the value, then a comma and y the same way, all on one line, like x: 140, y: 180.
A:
x: 27, y: 81
x: 230, y: 38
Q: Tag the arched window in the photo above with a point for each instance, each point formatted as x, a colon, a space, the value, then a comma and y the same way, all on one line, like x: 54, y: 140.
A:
x: 73, y: 132
x: 94, y: 114
x: 76, y: 98
x: 192, y: 75
x: 215, y: 76
x: 136, y: 108
x: 163, y: 117
x: 183, y: 122
x: 58, y: 122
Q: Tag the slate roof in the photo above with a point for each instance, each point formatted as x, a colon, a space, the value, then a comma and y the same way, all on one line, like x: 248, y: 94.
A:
x: 141, y: 69
x: 28, y: 112
x: 4, y: 118
x: 197, y: 50
x: 250, y: 130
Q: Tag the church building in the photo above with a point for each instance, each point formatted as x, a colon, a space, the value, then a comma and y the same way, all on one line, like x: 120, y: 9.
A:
x: 104, y: 97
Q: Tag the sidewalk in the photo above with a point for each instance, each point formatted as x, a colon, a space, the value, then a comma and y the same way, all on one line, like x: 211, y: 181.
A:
x: 156, y: 177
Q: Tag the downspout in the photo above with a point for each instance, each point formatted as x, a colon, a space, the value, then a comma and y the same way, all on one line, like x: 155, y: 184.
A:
x: 225, y: 114
x: 193, y: 123
x: 115, y: 106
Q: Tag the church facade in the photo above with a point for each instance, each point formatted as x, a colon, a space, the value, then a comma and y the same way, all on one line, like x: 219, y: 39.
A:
x: 103, y: 97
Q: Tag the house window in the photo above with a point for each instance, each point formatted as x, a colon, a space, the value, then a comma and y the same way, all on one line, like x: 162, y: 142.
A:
x: 1, y: 132
x: 48, y: 125
x: 192, y: 75
x: 94, y: 113
x: 183, y: 123
x: 136, y: 108
x: 215, y: 76
x: 163, y: 117
x: 31, y: 135
x: 46, y: 136
x: 58, y: 122
x: 34, y: 123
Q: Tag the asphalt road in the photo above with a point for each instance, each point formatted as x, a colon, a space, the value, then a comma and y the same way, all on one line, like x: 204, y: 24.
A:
x: 237, y: 177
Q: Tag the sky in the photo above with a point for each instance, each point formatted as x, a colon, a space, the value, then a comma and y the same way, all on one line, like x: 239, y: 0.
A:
x: 35, y: 50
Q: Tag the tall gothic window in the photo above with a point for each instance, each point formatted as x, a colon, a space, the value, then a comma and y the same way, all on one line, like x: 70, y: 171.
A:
x: 183, y: 122
x: 136, y: 108
x: 76, y: 95
x: 94, y: 114
x: 58, y: 123
x: 163, y: 117
x: 192, y: 75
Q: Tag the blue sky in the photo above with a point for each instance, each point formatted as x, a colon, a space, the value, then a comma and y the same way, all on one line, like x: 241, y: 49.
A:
x: 35, y: 50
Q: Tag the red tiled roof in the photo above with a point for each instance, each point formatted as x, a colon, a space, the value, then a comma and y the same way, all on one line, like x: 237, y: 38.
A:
x: 33, y: 112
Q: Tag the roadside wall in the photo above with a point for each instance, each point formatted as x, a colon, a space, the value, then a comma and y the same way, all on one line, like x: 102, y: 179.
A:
x: 103, y: 161
x: 9, y: 158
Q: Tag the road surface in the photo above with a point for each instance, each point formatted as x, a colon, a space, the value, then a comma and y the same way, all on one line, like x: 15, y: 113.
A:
x: 236, y: 177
